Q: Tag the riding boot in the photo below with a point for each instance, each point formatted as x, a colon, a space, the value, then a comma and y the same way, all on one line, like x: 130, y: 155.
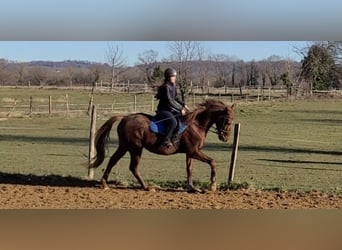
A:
x: 170, y: 125
x: 167, y: 140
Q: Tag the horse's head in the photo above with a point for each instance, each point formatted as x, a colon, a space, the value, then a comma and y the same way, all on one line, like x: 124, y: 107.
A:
x: 224, y: 122
x: 214, y: 112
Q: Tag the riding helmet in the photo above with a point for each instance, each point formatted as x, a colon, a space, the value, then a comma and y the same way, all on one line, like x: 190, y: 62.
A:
x: 170, y: 72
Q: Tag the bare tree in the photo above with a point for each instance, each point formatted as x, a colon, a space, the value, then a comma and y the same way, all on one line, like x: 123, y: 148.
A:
x: 183, y: 53
x: 263, y: 73
x: 333, y: 47
x: 234, y: 72
x: 204, y: 66
x: 253, y: 74
x: 241, y: 70
x: 4, y: 74
x: 70, y: 74
x: 116, y: 61
x: 221, y: 70
x: 275, y: 67
x: 20, y: 72
x: 147, y: 64
x: 37, y: 75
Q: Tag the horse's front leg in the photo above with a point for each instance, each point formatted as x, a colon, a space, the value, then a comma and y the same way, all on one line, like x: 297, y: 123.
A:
x: 204, y: 158
x: 190, y: 188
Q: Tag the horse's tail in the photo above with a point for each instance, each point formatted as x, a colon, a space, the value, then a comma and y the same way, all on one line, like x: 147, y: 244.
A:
x: 101, y: 140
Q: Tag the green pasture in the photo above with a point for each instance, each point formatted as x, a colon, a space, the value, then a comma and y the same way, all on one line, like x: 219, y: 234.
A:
x: 283, y: 145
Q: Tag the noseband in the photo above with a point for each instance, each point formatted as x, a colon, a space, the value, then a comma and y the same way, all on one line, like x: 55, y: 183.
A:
x: 217, y: 131
x: 221, y: 130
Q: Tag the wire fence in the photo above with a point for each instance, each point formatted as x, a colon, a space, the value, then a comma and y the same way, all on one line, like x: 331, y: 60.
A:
x: 139, y: 101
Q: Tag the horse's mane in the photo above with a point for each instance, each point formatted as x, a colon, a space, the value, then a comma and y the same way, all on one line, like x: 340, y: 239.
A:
x: 212, y: 104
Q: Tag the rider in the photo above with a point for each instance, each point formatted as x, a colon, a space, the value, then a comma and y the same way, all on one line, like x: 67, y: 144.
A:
x: 170, y: 106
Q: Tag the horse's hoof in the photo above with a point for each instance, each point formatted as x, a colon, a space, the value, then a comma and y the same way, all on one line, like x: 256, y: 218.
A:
x: 194, y: 190
x: 213, y: 187
x: 104, y: 185
x: 150, y: 189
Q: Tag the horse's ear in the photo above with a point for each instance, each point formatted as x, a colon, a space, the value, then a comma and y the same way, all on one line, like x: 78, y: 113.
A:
x: 233, y: 106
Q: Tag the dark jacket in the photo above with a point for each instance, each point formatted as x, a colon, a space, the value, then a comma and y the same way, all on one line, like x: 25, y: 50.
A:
x: 168, y: 98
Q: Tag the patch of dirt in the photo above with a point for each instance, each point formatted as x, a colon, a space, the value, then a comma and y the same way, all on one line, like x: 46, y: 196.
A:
x: 38, y: 196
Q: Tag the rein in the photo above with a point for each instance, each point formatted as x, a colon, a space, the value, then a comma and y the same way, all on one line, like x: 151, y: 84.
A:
x: 216, y: 131
x: 168, y: 118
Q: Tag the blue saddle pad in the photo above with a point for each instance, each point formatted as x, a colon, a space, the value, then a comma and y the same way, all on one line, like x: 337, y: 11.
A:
x: 159, y: 126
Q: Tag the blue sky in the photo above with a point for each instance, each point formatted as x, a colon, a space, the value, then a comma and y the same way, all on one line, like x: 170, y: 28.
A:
x: 154, y: 21
x: 170, y: 20
x: 95, y: 50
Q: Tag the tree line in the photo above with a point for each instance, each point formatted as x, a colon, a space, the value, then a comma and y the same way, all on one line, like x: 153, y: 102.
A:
x: 320, y: 69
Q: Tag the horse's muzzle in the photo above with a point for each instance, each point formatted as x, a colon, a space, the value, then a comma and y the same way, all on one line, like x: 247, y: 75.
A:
x: 223, y: 138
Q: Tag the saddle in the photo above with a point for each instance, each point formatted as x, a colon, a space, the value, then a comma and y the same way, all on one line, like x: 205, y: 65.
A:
x: 159, y: 127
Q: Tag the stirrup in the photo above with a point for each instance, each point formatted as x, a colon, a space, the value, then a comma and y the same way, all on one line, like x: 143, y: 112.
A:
x: 167, y: 143
x: 175, y: 142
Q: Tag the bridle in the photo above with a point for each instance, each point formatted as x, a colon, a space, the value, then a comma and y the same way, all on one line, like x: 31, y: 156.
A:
x: 221, y: 130
x: 217, y: 131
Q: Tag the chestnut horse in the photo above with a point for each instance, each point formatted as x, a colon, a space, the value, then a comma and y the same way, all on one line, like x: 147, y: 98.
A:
x: 134, y: 134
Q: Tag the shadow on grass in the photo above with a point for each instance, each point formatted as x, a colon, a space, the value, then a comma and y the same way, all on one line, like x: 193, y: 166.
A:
x: 249, y: 148
x: 68, y: 181
x: 45, y: 180
x: 56, y: 181
x: 304, y: 162
x: 317, y: 111
x: 47, y: 139
x: 333, y: 122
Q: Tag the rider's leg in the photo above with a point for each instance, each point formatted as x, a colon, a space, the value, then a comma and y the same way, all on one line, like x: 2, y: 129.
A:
x: 170, y: 125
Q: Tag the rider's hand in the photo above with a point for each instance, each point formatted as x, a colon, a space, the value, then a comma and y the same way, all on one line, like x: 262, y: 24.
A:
x: 183, y: 112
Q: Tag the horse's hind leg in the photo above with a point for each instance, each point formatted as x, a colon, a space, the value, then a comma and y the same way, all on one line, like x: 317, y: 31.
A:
x: 135, y: 159
x: 191, y: 188
x: 121, y: 151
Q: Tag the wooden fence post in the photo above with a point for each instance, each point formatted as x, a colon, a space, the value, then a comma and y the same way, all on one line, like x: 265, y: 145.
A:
x: 91, y: 103
x: 135, y: 103
x: 14, y: 106
x: 234, y: 153
x: 67, y: 103
x: 31, y: 105
x: 269, y: 93
x: 112, y: 106
x: 193, y: 100
x: 92, y: 142
x: 152, y: 103
x: 50, y: 105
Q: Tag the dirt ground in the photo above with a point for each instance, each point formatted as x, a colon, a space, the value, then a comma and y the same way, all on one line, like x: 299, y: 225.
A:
x: 37, y: 196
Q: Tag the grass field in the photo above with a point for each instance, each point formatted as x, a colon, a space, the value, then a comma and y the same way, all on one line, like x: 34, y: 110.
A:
x: 283, y: 145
